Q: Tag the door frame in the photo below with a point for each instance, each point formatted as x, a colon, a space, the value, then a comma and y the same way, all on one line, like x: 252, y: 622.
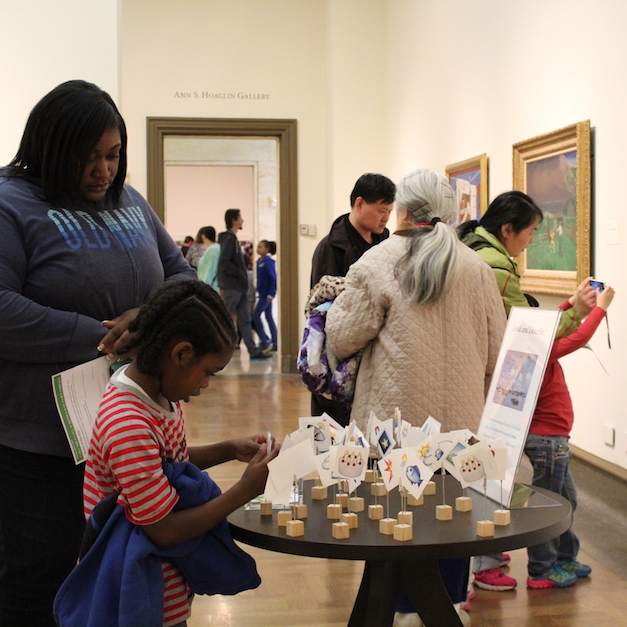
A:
x: 285, y: 130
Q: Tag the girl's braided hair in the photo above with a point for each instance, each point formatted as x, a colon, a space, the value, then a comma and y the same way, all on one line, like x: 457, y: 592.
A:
x: 183, y: 311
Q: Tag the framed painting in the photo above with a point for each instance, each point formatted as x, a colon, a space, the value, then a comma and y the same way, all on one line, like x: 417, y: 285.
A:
x: 555, y: 171
x: 469, y: 180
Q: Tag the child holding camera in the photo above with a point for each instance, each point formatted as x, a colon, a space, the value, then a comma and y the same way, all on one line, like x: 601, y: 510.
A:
x: 554, y: 563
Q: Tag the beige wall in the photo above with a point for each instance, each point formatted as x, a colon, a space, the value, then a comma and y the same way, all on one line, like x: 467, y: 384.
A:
x: 375, y: 85
x: 473, y: 77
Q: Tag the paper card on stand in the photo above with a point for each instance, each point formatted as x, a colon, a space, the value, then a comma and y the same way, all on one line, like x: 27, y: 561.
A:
x: 449, y: 464
x: 351, y: 462
x: 388, y: 472
x: 354, y: 437
x: 442, y: 444
x: 324, y: 466
x: 297, y: 437
x: 385, y: 442
x: 321, y: 432
x: 500, y: 460
x: 295, y: 462
x: 415, y: 437
x: 282, y: 496
x: 413, y: 474
x: 431, y: 425
x: 473, y: 463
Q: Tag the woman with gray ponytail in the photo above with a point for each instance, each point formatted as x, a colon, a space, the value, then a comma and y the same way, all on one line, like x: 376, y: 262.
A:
x: 428, y: 314
x: 432, y: 262
x: 426, y: 310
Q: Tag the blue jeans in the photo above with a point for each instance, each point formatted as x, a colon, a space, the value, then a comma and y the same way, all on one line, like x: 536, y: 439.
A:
x: 264, y: 306
x: 550, y: 457
x: 237, y: 304
x: 41, y: 528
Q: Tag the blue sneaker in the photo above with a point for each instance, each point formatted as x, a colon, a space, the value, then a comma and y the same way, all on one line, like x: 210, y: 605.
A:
x: 574, y: 567
x: 553, y: 578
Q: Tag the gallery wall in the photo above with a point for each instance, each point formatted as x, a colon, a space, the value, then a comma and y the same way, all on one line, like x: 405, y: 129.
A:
x: 375, y: 85
x: 467, y: 78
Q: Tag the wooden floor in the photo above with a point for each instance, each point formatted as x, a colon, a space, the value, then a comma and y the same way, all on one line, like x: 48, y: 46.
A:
x: 298, y: 591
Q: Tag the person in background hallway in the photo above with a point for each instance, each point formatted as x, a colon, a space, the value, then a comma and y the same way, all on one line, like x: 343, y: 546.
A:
x: 81, y: 252
x: 185, y: 246
x: 233, y: 281
x: 351, y: 235
x: 198, y: 248
x: 266, y: 289
x: 208, y: 264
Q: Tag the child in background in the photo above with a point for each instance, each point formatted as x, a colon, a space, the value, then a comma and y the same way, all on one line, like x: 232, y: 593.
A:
x: 266, y: 288
x: 181, y: 337
x: 554, y: 564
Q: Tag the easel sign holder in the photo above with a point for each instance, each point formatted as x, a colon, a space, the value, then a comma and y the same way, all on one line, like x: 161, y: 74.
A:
x: 514, y: 389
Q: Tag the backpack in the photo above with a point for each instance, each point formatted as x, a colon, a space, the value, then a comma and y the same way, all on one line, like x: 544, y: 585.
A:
x: 320, y: 370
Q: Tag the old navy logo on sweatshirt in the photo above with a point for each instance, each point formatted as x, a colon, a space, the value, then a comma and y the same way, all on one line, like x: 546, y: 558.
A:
x: 127, y: 225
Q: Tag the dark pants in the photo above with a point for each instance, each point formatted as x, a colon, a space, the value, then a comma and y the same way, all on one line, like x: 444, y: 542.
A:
x: 41, y: 527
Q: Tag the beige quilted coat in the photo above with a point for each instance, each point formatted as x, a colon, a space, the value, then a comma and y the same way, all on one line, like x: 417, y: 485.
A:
x: 428, y: 360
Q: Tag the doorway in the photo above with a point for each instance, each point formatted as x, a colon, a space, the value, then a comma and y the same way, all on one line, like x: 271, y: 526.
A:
x: 284, y: 131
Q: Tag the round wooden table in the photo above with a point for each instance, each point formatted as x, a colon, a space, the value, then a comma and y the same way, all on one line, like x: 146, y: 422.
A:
x: 411, y: 565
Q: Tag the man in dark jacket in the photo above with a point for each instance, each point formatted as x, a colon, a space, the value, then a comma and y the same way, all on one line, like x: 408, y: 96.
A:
x: 233, y: 281
x: 351, y: 235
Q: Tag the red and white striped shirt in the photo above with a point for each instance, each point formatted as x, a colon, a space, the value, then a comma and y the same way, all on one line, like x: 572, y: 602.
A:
x: 131, y: 438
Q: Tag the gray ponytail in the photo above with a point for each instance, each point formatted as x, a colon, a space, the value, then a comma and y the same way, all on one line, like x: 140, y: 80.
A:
x: 432, y: 261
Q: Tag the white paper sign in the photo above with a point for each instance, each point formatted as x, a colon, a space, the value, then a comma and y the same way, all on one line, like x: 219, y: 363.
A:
x: 77, y: 393
x: 515, y: 386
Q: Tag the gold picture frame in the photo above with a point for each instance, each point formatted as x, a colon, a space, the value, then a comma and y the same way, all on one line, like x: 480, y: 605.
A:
x: 469, y: 180
x: 554, y: 169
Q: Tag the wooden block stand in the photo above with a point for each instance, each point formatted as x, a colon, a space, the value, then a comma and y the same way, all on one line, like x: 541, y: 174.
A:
x: 283, y: 517
x: 501, y: 517
x: 266, y: 508
x: 341, y: 530
x: 299, y: 511
x: 444, y: 512
x: 403, y: 532
x: 405, y: 518
x: 351, y: 519
x: 463, y: 504
x: 295, y: 528
x: 356, y: 504
x: 412, y: 500
x: 386, y: 526
x: 375, y: 512
x: 334, y: 511
x: 319, y: 493
x: 485, y: 528
x: 430, y: 489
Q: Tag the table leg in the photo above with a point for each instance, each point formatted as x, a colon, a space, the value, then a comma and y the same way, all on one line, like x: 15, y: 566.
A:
x: 422, y: 583
x: 378, y: 594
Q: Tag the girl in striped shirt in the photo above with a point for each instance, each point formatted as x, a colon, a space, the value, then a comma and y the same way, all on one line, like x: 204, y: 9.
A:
x: 181, y: 337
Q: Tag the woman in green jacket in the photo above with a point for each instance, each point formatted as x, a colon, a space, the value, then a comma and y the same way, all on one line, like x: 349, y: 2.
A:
x: 504, y: 231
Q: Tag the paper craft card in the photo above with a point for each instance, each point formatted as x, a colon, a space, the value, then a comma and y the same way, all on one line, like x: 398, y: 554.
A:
x: 473, y: 463
x: 324, y: 466
x: 388, y: 472
x: 351, y: 462
x: 442, y: 444
x: 415, y: 437
x: 353, y: 436
x: 292, y: 463
x: 431, y: 425
x: 297, y: 437
x: 321, y: 431
x: 413, y: 474
x: 500, y: 460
